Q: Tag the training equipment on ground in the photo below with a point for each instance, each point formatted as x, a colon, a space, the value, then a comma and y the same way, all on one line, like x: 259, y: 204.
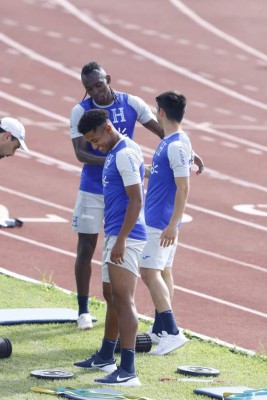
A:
x: 194, y: 370
x: 193, y: 380
x: 85, y: 394
x: 15, y: 316
x: 143, y: 343
x: 5, y: 348
x: 51, y: 374
x: 218, y: 392
x: 261, y: 394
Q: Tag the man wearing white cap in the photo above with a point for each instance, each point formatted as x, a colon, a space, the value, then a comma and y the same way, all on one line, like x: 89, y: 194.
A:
x: 12, y: 137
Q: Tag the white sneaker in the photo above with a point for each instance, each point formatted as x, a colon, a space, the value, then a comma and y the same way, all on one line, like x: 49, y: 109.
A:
x: 153, y: 336
x: 85, y: 321
x: 169, y: 343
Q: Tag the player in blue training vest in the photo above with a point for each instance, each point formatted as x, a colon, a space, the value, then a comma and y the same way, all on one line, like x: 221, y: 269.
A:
x: 167, y: 192
x: 124, y: 110
x: 125, y: 236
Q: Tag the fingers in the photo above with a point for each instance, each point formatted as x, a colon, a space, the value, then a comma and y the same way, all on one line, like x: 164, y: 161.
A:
x: 117, y: 259
x: 200, y: 170
x: 165, y: 242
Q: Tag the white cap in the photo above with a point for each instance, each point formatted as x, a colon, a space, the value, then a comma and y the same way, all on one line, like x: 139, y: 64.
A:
x: 16, y: 129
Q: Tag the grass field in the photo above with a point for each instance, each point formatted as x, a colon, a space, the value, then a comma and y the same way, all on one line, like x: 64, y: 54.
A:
x: 46, y: 346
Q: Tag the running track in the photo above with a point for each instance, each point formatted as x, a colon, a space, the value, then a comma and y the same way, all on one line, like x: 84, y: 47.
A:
x: 217, y: 57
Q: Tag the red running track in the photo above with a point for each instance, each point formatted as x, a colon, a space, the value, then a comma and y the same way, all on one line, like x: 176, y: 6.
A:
x: 218, y: 58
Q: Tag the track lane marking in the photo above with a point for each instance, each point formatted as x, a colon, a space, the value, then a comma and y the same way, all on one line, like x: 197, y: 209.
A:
x: 189, y: 291
x: 135, y: 49
x: 195, y: 249
x: 211, y: 28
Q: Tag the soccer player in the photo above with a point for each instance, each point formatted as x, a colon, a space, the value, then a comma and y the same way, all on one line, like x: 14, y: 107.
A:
x: 12, y: 137
x: 167, y: 193
x: 125, y: 235
x: 124, y: 111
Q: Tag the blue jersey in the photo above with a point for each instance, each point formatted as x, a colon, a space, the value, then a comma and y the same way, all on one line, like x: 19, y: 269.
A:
x: 124, y: 111
x: 124, y: 166
x: 172, y: 158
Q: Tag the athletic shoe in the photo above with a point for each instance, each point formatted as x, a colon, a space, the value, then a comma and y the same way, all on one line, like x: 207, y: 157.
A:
x: 169, y: 343
x: 96, y: 362
x: 85, y: 321
x: 153, y: 336
x: 119, y: 377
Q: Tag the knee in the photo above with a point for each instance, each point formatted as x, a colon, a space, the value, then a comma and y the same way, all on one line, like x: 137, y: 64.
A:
x: 86, y: 245
x: 145, y: 275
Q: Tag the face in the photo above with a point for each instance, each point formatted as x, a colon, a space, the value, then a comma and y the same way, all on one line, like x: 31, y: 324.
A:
x: 97, y: 86
x: 7, y: 145
x: 102, y: 139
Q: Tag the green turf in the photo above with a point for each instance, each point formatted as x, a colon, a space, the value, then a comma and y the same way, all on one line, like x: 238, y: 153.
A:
x: 43, y: 346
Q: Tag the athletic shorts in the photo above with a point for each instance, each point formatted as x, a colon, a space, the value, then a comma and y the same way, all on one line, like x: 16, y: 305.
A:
x: 155, y: 256
x: 131, y: 256
x: 88, y: 213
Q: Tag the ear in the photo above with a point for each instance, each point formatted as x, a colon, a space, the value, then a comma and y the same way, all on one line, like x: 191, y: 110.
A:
x: 6, y: 136
x: 161, y: 112
x: 108, y: 78
x: 108, y: 128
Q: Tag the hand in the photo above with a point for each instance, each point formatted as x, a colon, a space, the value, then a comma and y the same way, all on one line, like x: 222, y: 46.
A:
x: 117, y: 253
x: 168, y: 236
x: 199, y: 162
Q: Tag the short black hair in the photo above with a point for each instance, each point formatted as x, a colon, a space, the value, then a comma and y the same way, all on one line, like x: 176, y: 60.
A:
x: 90, y: 67
x: 173, y: 103
x: 91, y: 120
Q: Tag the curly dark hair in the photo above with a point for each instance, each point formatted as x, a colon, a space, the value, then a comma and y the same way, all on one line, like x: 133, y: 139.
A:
x: 92, y: 119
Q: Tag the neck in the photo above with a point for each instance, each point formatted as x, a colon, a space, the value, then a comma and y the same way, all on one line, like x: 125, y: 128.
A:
x: 170, y: 127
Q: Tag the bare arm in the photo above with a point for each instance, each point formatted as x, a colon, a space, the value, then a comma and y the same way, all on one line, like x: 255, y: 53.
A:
x: 170, y: 233
x: 134, y: 193
x: 154, y: 127
x: 83, y: 155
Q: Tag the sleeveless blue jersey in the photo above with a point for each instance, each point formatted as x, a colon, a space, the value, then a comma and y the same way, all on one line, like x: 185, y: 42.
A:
x: 115, y: 196
x: 123, y: 116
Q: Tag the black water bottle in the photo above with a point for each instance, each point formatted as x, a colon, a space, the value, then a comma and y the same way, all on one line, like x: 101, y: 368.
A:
x: 5, y: 348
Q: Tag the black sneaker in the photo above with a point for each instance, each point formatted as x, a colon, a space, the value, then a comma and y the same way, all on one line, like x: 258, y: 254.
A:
x: 120, y: 377
x: 96, y: 362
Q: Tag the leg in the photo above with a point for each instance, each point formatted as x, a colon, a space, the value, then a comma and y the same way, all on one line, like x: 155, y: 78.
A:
x: 158, y: 289
x: 111, y: 323
x: 83, y: 270
x: 85, y: 250
x: 123, y: 285
x: 168, y: 279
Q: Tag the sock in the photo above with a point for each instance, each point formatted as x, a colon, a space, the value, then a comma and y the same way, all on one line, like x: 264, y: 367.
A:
x: 168, y: 322
x: 157, y: 326
x: 83, y: 304
x: 127, y: 360
x: 107, y: 349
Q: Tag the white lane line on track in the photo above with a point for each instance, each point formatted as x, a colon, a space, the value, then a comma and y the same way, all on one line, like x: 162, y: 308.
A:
x: 156, y: 59
x: 211, y: 28
x: 131, y: 46
x: 148, y: 151
x: 189, y: 291
x: 227, y: 217
x: 221, y: 301
x: 196, y: 249
x: 191, y: 124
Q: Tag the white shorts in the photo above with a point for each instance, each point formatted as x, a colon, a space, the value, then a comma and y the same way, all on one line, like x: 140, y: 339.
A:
x: 88, y: 213
x: 155, y: 256
x: 131, y: 256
